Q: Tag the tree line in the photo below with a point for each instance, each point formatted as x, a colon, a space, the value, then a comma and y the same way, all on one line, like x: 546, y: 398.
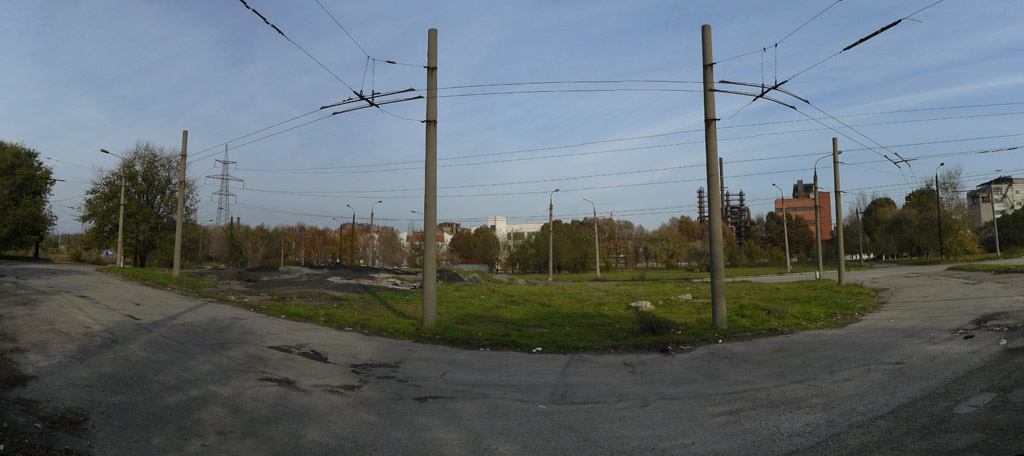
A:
x: 879, y: 225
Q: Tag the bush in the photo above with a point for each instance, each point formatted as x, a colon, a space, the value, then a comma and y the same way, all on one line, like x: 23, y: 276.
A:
x: 652, y: 323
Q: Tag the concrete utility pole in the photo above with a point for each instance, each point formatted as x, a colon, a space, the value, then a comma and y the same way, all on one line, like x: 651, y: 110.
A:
x: 721, y: 180
x: 938, y: 208
x: 817, y: 215
x: 429, y: 317
x: 860, y: 236
x: 551, y: 236
x: 597, y: 248
x: 718, y: 317
x: 992, y: 203
x: 373, y: 249
x: 120, y: 219
x: 341, y: 241
x: 785, y: 229
x: 282, y: 252
x: 231, y: 239
x: 840, y: 249
x: 181, y: 204
x: 352, y: 247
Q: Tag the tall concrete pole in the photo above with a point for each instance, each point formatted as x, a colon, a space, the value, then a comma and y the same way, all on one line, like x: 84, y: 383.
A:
x: 938, y: 209
x: 429, y: 317
x: 840, y: 249
x: 785, y: 229
x: 721, y: 182
x: 181, y: 204
x: 373, y: 245
x: 341, y: 242
x: 597, y: 247
x: 551, y: 236
x: 860, y: 236
x: 352, y: 247
x: 121, y: 220
x: 718, y: 317
x: 817, y: 217
x: 992, y: 202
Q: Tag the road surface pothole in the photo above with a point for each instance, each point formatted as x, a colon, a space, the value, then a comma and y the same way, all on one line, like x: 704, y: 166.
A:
x: 302, y: 351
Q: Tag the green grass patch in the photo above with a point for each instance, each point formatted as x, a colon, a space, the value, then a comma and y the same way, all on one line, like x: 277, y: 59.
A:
x: 993, y: 268
x: 164, y: 279
x: 643, y: 275
x: 564, y: 317
x: 588, y: 317
x: 972, y: 258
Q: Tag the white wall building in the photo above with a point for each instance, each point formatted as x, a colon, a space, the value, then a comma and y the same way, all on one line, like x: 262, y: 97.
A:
x: 507, y: 232
x: 1004, y: 194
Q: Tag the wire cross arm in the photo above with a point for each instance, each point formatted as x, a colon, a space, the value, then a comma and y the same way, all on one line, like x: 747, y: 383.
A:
x: 766, y: 90
x: 377, y: 105
x: 375, y: 95
x: 755, y: 96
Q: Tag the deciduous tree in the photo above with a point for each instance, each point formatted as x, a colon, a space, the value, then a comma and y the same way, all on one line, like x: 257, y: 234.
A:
x: 25, y: 186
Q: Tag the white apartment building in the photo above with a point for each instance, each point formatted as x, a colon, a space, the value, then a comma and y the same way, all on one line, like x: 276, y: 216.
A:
x: 507, y: 232
x: 1001, y: 195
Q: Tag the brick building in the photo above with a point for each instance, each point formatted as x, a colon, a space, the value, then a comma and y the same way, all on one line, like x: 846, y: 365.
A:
x: 801, y: 205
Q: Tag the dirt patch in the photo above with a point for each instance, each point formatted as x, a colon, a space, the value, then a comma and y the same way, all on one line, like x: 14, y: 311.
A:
x: 291, y: 281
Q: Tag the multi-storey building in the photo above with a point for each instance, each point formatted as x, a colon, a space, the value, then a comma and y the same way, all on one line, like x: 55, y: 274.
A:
x: 801, y: 205
x: 1003, y: 195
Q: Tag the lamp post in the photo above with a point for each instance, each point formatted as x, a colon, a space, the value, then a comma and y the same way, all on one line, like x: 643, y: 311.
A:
x: 551, y: 238
x: 201, y: 243
x: 374, y: 253
x: 938, y: 209
x: 597, y: 248
x: 352, y: 248
x: 120, y: 220
x: 785, y: 229
x: 992, y: 204
x: 817, y: 213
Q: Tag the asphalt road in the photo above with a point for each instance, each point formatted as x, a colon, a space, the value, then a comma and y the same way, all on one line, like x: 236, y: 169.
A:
x: 162, y: 373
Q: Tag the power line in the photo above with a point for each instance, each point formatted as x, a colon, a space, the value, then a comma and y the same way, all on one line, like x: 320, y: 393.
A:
x: 353, y: 193
x: 218, y: 146
x: 357, y: 169
x: 297, y: 46
x: 342, y: 27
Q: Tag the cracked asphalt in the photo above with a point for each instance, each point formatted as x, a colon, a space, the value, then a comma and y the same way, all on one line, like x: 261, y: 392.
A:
x: 163, y: 373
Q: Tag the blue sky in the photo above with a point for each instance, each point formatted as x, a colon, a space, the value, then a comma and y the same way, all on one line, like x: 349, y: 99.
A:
x: 80, y: 76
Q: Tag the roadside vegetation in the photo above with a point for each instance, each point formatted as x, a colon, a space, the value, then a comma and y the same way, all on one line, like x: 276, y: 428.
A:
x: 687, y: 274
x: 565, y: 317
x: 993, y: 268
x: 972, y: 258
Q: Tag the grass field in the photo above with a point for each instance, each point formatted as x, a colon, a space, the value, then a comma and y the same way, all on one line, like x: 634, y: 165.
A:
x: 562, y: 317
x: 959, y: 259
x: 993, y: 268
x: 683, y: 274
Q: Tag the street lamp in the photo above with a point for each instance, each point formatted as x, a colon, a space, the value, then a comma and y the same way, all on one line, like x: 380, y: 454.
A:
x: 785, y: 229
x: 352, y: 248
x: 938, y: 209
x: 374, y: 253
x: 551, y: 238
x: 120, y: 220
x: 201, y: 242
x: 597, y: 248
x: 817, y: 213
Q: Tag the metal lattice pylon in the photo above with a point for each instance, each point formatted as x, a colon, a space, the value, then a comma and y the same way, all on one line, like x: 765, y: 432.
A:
x: 224, y: 193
